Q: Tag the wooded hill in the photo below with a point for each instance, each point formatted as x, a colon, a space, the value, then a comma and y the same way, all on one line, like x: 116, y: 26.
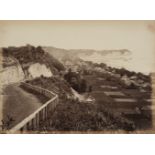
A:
x: 29, y: 54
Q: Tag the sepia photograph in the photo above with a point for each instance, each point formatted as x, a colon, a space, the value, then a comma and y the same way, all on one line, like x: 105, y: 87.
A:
x: 77, y: 76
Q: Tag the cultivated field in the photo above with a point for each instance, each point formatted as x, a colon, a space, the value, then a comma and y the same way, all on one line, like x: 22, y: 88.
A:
x: 130, y: 103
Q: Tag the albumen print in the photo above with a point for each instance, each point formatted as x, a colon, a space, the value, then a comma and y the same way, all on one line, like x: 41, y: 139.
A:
x: 77, y: 76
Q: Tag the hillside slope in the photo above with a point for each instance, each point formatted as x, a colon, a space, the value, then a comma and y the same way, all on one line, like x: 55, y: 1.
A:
x: 37, y: 66
x: 118, y: 58
x: 30, y: 55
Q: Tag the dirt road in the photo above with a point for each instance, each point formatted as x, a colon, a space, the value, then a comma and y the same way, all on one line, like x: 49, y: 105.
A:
x: 18, y: 104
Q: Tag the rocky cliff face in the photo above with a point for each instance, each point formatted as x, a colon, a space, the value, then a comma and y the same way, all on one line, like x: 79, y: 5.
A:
x: 121, y: 58
x: 113, y: 58
x: 34, y: 62
x: 11, y: 74
x: 11, y: 71
x: 37, y: 70
x: 78, y: 53
x: 31, y: 64
x: 29, y: 55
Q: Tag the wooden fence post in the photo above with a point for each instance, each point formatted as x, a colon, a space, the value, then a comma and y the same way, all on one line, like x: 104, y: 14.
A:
x: 42, y: 114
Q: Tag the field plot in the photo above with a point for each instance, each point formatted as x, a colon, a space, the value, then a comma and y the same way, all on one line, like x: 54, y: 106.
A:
x: 130, y: 103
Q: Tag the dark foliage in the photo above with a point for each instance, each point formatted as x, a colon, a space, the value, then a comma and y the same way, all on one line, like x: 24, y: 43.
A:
x: 54, y: 84
x: 77, y: 116
x: 76, y: 81
x: 30, y: 54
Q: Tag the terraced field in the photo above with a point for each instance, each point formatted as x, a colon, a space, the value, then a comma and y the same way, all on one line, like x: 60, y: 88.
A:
x: 130, y: 103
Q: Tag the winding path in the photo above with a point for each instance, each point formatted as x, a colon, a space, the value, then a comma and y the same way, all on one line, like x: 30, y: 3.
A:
x: 18, y: 103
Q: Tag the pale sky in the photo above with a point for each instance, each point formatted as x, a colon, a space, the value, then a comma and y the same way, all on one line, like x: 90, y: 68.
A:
x: 78, y: 34
x: 137, y: 36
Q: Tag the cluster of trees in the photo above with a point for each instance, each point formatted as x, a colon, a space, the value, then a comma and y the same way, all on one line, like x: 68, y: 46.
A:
x: 55, y: 84
x: 123, y: 71
x: 76, y: 81
x: 24, y: 54
x: 76, y: 116
x: 27, y: 54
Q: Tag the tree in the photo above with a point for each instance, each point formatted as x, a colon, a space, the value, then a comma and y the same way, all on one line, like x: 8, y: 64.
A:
x: 83, y: 86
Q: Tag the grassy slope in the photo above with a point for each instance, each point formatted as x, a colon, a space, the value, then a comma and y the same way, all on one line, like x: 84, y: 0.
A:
x: 18, y: 104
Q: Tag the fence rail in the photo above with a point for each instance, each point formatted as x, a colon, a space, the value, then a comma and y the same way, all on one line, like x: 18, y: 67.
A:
x: 33, y: 121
